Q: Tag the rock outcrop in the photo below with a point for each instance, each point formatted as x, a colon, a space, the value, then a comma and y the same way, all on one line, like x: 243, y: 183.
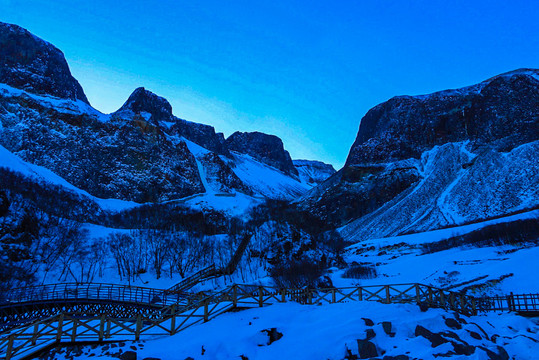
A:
x: 424, y: 162
x: 34, y: 65
x: 313, y: 172
x: 268, y: 149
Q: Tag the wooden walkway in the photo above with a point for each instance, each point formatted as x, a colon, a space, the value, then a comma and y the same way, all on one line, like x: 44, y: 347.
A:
x: 104, y: 313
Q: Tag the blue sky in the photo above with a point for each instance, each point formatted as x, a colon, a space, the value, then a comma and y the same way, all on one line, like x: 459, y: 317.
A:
x: 306, y: 71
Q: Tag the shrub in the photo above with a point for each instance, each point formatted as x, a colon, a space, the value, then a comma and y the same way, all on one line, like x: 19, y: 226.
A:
x: 360, y: 272
x: 296, y: 274
x: 510, y: 233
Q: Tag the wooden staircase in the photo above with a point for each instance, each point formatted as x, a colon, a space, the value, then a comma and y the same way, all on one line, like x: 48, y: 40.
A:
x: 211, y: 271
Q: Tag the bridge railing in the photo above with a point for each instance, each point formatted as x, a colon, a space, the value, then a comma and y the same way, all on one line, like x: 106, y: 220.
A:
x: 398, y: 293
x: 206, y: 305
x: 520, y: 303
x: 192, y: 280
x: 93, y: 291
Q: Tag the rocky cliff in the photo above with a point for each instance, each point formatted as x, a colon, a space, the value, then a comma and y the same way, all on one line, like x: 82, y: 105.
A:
x: 34, y: 65
x: 268, y: 149
x: 424, y: 162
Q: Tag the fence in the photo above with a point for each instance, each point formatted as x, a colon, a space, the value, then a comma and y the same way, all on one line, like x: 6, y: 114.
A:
x: 170, y: 319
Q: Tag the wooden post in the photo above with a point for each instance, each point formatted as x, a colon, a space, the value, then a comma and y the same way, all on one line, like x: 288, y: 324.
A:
x: 138, y: 327
x: 235, y: 295
x: 442, y: 298
x: 360, y: 293
x: 101, y: 327
x: 173, y: 320
x: 474, y: 307
x: 283, y: 295
x: 388, y: 295
x: 309, y: 296
x: 333, y: 299
x: 430, y: 296
x: 417, y: 294
x: 107, y: 332
x: 9, y: 349
x: 260, y: 296
x: 60, y: 324
x: 206, y: 312
x: 74, y: 331
x: 34, y: 336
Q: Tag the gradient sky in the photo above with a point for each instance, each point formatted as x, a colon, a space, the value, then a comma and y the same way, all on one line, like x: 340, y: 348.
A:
x: 306, y: 71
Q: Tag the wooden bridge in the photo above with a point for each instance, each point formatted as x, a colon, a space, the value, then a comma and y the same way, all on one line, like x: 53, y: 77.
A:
x: 36, y: 317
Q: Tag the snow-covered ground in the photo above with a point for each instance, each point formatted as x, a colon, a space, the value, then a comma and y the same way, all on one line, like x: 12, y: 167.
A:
x: 332, y: 332
x: 399, y: 259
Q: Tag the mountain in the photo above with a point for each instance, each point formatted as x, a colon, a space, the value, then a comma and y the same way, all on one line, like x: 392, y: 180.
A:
x: 34, y: 65
x: 268, y: 149
x: 313, y: 172
x: 142, y: 152
x: 424, y: 162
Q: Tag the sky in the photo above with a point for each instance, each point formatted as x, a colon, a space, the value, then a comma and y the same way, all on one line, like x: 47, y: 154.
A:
x: 306, y: 71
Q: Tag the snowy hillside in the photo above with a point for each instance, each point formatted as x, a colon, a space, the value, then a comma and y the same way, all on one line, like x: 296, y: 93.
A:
x: 497, y: 267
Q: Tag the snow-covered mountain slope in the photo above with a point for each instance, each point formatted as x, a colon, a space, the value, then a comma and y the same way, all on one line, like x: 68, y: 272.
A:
x: 313, y: 172
x: 424, y: 162
x: 481, y: 258
x: 266, y: 180
x: 456, y: 186
x: 293, y: 331
x: 40, y: 174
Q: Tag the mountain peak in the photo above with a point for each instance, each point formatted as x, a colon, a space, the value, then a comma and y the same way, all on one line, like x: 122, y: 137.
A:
x: 268, y: 149
x: 34, y: 65
x: 142, y: 100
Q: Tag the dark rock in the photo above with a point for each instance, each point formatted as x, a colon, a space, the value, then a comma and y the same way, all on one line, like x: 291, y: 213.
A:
x: 152, y: 358
x: 366, y: 349
x: 369, y: 334
x: 423, y: 306
x: 349, y: 355
x: 129, y: 355
x: 434, y: 338
x: 453, y: 324
x: 34, y: 65
x: 501, y: 353
x: 132, y: 347
x: 463, y: 349
x: 398, y: 357
x: 368, y: 322
x: 268, y: 149
x: 475, y: 335
x: 387, y: 326
x: 273, y: 335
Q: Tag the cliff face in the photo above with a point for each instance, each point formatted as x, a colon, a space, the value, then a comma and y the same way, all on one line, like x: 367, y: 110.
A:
x: 141, y: 152
x: 423, y: 162
x: 501, y: 110
x: 268, y: 149
x: 34, y: 65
